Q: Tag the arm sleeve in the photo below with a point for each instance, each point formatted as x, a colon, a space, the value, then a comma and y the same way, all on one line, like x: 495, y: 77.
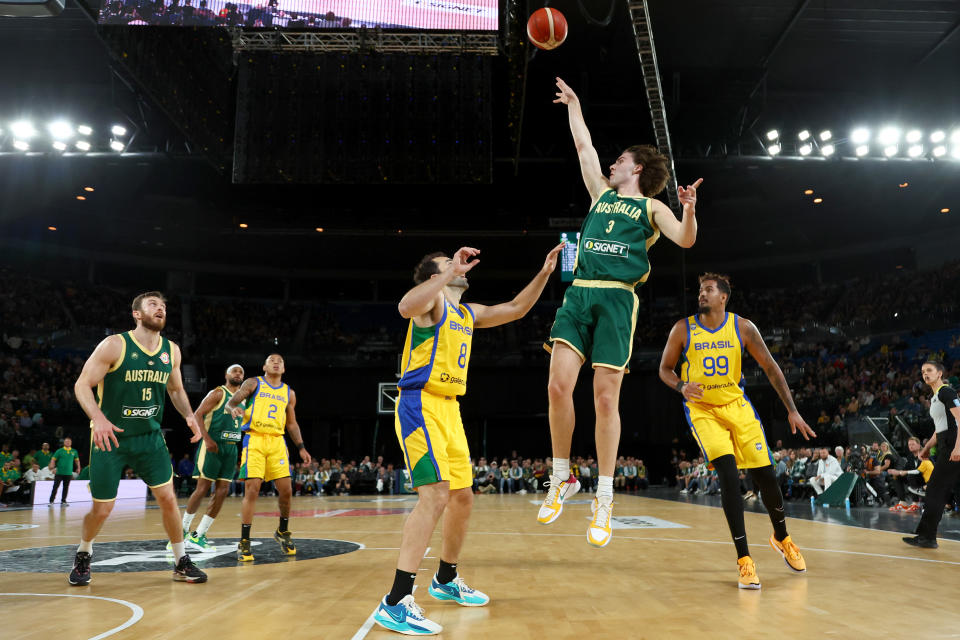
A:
x: 948, y: 397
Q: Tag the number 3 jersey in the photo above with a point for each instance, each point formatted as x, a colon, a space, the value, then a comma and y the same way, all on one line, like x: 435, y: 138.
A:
x: 713, y: 359
x: 435, y: 358
x: 132, y: 392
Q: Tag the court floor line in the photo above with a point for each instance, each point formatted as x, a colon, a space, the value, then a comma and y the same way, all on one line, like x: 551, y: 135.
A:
x: 132, y: 620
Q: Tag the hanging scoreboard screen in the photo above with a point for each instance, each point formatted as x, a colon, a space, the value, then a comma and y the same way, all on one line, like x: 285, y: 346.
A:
x: 568, y: 255
x: 444, y: 15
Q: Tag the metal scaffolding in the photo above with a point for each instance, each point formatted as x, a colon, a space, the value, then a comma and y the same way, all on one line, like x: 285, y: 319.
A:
x: 643, y: 33
x: 365, y: 40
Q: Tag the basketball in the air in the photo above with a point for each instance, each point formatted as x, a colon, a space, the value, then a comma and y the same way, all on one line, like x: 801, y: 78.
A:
x: 547, y: 28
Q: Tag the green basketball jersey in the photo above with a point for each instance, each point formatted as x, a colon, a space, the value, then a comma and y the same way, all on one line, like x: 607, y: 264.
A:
x: 132, y: 394
x: 221, y: 425
x: 614, y: 239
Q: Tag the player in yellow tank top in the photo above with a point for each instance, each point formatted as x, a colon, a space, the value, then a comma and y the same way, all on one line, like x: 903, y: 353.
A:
x: 434, y: 362
x: 263, y: 454
x: 721, y: 417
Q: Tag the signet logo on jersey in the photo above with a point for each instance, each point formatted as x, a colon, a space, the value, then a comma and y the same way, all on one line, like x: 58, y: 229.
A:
x: 140, y: 412
x: 607, y: 248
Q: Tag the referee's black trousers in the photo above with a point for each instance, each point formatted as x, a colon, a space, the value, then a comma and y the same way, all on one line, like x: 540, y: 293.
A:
x: 941, y: 483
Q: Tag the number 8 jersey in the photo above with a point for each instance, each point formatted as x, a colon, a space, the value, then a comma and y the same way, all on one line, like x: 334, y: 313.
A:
x: 435, y: 358
x: 713, y: 359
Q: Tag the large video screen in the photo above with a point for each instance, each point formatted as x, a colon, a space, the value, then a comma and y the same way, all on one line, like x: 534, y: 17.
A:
x: 451, y: 15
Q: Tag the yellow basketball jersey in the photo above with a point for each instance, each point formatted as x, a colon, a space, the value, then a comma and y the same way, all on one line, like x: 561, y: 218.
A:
x: 435, y: 358
x: 713, y: 359
x: 267, y: 408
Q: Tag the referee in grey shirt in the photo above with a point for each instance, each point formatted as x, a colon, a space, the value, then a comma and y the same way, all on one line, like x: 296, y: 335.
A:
x: 945, y: 411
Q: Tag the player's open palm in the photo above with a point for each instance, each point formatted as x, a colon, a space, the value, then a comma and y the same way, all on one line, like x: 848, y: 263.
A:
x: 565, y: 94
x: 693, y: 391
x: 688, y: 194
x: 797, y: 423
x: 105, y: 432
x: 461, y: 260
x: 551, y: 262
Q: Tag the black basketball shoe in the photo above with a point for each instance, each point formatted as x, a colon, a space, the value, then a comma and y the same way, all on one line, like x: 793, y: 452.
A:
x: 80, y: 576
x: 186, y: 571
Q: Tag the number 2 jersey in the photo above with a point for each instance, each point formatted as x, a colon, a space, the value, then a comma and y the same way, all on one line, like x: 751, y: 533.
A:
x: 435, y: 358
x: 713, y: 359
x: 267, y: 409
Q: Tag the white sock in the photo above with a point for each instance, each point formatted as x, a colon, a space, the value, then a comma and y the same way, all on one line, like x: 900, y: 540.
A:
x: 86, y: 546
x: 187, y: 520
x: 605, y: 488
x: 561, y: 468
x: 204, y: 526
x: 178, y: 551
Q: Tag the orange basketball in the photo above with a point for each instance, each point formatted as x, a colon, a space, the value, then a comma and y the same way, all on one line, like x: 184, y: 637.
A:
x: 547, y: 28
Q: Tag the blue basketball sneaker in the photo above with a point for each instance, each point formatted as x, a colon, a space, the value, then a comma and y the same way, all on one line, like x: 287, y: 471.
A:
x: 405, y: 617
x: 459, y: 592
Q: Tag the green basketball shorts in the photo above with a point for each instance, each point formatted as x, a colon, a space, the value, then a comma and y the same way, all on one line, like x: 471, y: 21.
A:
x: 148, y: 456
x: 216, y: 466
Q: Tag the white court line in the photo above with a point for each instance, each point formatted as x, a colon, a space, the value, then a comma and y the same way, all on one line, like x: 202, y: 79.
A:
x: 132, y: 620
x: 368, y: 623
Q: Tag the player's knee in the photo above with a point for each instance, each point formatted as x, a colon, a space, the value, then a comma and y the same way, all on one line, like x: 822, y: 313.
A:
x: 607, y: 404
x: 462, y: 498
x: 559, y: 389
x: 102, y: 509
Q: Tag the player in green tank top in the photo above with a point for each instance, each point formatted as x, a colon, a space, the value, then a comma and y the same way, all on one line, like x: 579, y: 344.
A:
x: 132, y: 372
x: 216, y: 458
x: 599, y: 313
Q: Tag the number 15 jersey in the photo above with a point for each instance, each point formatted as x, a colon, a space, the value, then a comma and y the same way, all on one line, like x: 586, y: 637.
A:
x: 713, y: 359
x: 435, y: 358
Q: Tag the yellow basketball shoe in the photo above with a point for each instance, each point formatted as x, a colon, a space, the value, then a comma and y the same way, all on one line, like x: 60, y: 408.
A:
x: 748, y: 573
x: 599, y: 533
x: 790, y: 552
x: 558, y: 493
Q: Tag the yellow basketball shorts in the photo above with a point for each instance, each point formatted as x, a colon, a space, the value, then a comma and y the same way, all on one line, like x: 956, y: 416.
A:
x: 264, y: 456
x: 729, y: 429
x: 431, y: 436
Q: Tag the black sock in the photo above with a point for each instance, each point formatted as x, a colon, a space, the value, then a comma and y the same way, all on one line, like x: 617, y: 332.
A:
x: 284, y: 523
x: 447, y: 572
x: 729, y: 478
x: 245, y: 531
x: 402, y: 586
x: 766, y: 481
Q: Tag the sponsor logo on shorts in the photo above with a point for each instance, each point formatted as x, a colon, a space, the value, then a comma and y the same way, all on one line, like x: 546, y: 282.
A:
x: 446, y: 377
x: 165, y: 358
x: 759, y: 446
x: 144, y: 413
x: 607, y: 248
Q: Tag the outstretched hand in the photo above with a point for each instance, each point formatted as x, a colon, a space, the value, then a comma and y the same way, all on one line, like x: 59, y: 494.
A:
x: 551, y: 262
x: 565, y: 94
x: 462, y: 262
x: 798, y: 424
x: 688, y: 195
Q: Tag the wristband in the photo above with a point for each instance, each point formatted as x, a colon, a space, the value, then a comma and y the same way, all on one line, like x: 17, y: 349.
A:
x: 300, y: 446
x: 679, y: 386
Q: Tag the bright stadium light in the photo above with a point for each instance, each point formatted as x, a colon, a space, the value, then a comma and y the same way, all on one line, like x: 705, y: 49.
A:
x: 85, y: 130
x: 23, y: 130
x: 955, y: 154
x: 21, y: 145
x: 59, y: 145
x: 914, y: 136
x: 939, y: 151
x: 773, y: 149
x: 860, y: 135
x: 118, y: 130
x: 955, y: 136
x: 116, y: 145
x: 805, y: 149
x: 938, y: 136
x: 826, y: 135
x: 888, y: 136
x: 890, y: 150
x: 82, y: 145
x: 772, y: 135
x: 915, y: 150
x: 60, y: 130
x: 827, y: 150
x: 803, y: 135
x: 862, y: 150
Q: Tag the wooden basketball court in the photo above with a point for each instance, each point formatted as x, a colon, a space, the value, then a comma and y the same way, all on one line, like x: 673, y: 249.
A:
x: 673, y: 574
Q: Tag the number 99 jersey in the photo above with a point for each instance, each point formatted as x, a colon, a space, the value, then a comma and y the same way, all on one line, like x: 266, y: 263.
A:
x: 435, y: 358
x: 713, y: 359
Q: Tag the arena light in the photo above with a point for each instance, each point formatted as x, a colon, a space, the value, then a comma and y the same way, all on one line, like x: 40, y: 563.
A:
x: 60, y: 145
x: 116, y: 145
x: 82, y: 145
x: 805, y: 149
x: 827, y: 150
x: 808, y: 192
x: 860, y: 135
x: 803, y: 135
x: 862, y: 150
x: 772, y: 135
x: 817, y: 200
x: 914, y: 136
x: 22, y: 129
x: 939, y: 151
x: 21, y: 145
x: 955, y: 136
x: 85, y: 130
x: 945, y: 210
x: 890, y: 150
x: 118, y: 130
x: 826, y: 135
x: 888, y: 136
x: 60, y: 130
x: 915, y: 150
x: 773, y: 149
x: 955, y: 154
x: 938, y: 136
